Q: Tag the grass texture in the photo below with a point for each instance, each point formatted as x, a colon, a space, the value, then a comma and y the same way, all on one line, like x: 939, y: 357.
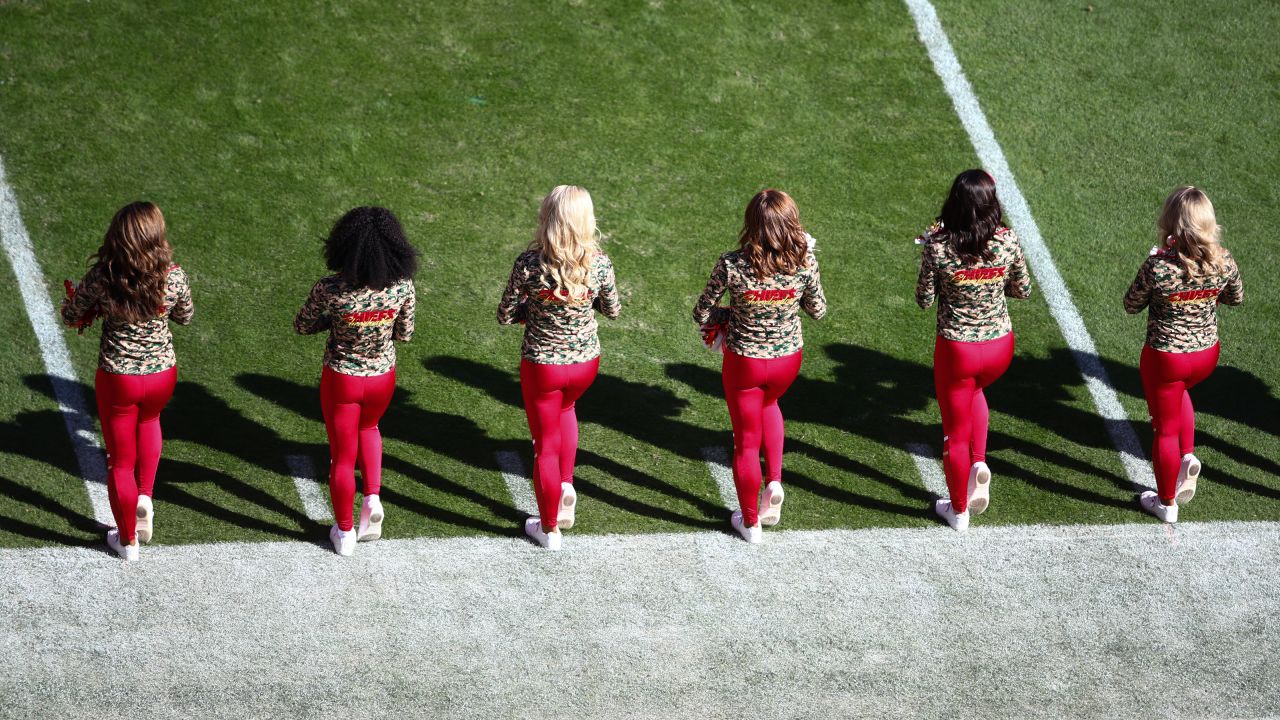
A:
x: 255, y: 126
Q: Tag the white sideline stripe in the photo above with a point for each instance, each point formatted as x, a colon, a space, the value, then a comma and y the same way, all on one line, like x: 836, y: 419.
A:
x: 935, y: 480
x: 53, y: 349
x: 315, y: 502
x: 720, y: 463
x: 1052, y: 287
x: 1021, y: 622
x: 519, y: 484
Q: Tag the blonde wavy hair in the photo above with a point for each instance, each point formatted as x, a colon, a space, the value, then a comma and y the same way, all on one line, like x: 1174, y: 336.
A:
x: 567, y: 240
x: 1188, y: 219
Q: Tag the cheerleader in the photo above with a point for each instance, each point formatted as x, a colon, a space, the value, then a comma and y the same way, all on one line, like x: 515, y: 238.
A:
x: 770, y: 277
x: 366, y: 304
x: 1181, y: 284
x: 970, y: 263
x: 135, y: 288
x: 554, y: 289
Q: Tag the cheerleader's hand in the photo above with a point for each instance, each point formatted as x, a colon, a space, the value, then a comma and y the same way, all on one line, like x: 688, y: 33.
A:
x: 930, y: 235
x: 712, y: 336
x: 811, y: 241
x: 90, y: 315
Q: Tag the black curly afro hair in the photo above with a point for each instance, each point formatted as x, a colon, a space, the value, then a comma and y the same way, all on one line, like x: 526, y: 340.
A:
x: 367, y: 247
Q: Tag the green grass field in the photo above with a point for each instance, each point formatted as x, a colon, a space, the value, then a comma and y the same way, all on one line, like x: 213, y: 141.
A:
x: 255, y: 126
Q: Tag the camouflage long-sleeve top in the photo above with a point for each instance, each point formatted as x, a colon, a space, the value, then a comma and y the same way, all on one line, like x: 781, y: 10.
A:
x: 971, y: 296
x: 362, y: 323
x: 133, y: 348
x: 763, y: 317
x: 558, y: 330
x: 1182, y: 312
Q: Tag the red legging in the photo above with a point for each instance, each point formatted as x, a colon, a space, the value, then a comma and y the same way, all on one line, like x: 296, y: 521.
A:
x: 1166, y: 377
x: 550, y: 392
x: 960, y: 372
x: 352, y: 407
x: 752, y: 387
x: 129, y: 407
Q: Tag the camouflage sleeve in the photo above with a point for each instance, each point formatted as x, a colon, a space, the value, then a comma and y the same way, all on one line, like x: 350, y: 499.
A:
x: 403, y: 330
x: 927, y: 282
x: 608, y: 303
x: 814, y: 300
x: 183, y: 309
x: 87, y: 294
x: 1233, y: 293
x: 1018, y: 283
x: 509, y: 305
x: 710, y: 298
x: 1140, y: 291
x: 313, y: 317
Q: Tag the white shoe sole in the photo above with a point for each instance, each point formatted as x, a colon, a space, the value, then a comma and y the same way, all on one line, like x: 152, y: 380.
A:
x: 568, y: 505
x: 371, y: 530
x: 1188, y: 474
x: 771, y: 507
x: 979, y: 488
x: 143, y: 529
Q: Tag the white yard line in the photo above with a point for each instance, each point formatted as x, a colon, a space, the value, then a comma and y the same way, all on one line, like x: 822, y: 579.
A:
x: 720, y: 462
x: 519, y: 483
x: 1003, y: 622
x: 1052, y: 287
x: 53, y: 350
x: 931, y: 472
x: 315, y: 501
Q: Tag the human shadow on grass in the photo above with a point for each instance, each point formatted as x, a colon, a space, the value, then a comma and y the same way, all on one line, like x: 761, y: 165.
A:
x: 447, y: 435
x: 649, y: 414
x: 198, y: 416
x: 1232, y: 394
x: 29, y: 497
x: 873, y: 396
x: 614, y: 403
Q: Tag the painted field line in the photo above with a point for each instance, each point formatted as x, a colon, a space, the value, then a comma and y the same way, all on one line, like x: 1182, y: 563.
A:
x: 720, y: 463
x: 935, y: 480
x: 1052, y: 287
x: 53, y: 350
x: 1054, y: 622
x: 519, y: 484
x: 315, y: 501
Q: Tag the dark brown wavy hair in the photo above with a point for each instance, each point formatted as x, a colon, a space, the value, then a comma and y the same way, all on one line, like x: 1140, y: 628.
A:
x: 772, y: 240
x: 971, y: 216
x: 135, y: 257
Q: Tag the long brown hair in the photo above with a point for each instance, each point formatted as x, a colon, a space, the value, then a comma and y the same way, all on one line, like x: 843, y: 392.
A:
x: 1187, y: 217
x: 135, y: 257
x: 773, y: 241
x: 971, y: 216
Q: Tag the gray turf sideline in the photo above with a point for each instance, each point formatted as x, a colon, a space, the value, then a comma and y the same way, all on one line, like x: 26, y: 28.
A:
x: 1113, y: 621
